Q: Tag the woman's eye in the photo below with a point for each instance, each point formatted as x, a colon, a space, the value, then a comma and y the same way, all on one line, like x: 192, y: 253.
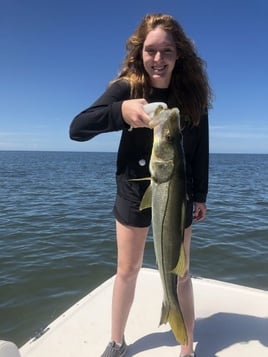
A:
x: 165, y: 52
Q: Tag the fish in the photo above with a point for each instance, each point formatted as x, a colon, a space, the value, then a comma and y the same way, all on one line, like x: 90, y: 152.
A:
x: 166, y: 195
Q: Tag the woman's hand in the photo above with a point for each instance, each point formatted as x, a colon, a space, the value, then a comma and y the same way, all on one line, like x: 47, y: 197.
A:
x: 134, y: 114
x: 200, y: 210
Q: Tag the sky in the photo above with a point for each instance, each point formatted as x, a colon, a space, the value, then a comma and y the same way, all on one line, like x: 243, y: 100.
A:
x: 57, y: 57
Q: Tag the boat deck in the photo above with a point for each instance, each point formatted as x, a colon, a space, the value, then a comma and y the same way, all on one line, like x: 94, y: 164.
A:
x: 231, y: 320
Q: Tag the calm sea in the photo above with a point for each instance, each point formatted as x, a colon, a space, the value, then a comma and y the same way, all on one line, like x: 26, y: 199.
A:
x: 57, y: 234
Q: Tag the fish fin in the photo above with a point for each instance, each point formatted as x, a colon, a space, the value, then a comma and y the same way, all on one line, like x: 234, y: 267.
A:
x: 174, y: 317
x: 141, y: 179
x: 181, y: 265
x: 146, y: 201
x: 177, y: 325
x: 180, y: 268
x: 164, y: 314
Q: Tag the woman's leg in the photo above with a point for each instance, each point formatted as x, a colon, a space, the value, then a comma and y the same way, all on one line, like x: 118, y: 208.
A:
x: 186, y: 297
x: 130, y: 249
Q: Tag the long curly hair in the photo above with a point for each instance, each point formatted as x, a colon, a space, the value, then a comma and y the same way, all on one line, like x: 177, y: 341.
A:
x: 189, y: 86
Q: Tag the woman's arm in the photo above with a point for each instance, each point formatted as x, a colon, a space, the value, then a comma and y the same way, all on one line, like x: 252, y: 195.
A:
x: 103, y: 116
x: 200, y: 163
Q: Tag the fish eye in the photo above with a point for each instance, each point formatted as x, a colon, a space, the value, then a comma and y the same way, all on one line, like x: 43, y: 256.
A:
x: 168, y: 137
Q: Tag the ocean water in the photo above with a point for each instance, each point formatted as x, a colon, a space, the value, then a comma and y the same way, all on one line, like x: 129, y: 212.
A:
x: 57, y: 233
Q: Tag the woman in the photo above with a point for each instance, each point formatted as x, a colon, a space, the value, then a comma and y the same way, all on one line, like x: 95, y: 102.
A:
x: 161, y: 64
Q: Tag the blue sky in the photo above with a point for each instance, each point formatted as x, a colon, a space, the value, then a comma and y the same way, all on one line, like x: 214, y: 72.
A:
x: 58, y: 56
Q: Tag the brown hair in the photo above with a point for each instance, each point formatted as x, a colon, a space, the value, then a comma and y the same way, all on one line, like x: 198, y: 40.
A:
x: 190, y: 90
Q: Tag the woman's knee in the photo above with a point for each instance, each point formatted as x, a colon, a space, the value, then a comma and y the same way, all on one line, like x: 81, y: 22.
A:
x: 128, y: 272
x: 185, y: 278
x: 130, y: 249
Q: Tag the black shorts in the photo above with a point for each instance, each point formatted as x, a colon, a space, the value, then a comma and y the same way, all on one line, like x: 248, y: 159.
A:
x: 127, y: 204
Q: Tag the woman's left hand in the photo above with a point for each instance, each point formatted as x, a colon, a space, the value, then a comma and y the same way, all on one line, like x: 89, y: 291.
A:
x: 200, y: 210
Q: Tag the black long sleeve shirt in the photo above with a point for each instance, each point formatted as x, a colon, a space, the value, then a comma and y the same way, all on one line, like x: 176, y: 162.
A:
x: 105, y: 116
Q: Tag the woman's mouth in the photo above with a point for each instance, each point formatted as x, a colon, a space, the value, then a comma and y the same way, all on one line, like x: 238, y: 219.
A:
x: 159, y: 69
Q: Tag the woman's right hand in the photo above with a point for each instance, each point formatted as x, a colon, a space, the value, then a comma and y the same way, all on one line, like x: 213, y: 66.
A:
x: 134, y: 114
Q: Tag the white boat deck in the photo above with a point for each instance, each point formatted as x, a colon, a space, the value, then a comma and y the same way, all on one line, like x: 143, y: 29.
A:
x: 231, y: 321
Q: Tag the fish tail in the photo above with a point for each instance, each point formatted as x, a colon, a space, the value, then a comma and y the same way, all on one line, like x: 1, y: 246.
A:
x: 174, y: 318
x: 180, y: 268
x: 178, y: 327
x: 164, y: 314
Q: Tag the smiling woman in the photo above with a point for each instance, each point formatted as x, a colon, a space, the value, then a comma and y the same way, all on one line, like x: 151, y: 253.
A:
x: 159, y: 57
x: 161, y: 65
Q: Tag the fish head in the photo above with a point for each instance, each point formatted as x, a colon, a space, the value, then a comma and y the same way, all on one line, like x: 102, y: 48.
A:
x: 152, y: 109
x: 166, y: 142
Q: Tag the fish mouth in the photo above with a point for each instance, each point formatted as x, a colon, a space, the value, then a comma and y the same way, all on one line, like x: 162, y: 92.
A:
x: 157, y: 121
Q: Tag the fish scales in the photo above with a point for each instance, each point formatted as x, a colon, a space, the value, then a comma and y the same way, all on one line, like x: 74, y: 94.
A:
x: 168, y: 201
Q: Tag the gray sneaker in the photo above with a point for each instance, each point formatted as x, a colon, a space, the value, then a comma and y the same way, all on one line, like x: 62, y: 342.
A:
x: 113, y: 350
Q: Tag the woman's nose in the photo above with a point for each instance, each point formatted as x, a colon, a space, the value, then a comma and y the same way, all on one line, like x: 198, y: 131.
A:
x: 157, y: 56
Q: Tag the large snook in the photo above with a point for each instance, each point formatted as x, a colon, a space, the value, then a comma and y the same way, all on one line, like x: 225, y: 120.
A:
x: 167, y: 197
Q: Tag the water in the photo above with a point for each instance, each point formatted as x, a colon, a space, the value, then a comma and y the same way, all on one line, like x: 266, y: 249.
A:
x: 57, y: 231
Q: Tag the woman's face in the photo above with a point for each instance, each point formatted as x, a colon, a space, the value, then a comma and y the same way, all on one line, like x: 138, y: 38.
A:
x: 159, y: 56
